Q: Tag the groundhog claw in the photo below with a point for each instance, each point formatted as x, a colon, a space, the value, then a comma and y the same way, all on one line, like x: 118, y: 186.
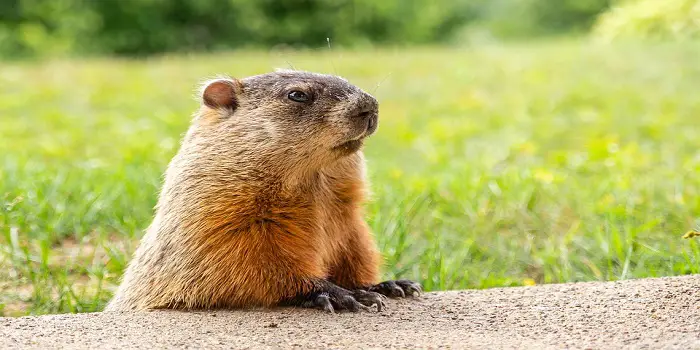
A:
x: 324, y: 303
x: 397, y: 289
x: 351, y: 304
x: 369, y: 298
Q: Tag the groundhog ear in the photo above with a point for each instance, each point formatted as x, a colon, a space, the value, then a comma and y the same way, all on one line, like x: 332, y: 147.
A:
x: 221, y: 93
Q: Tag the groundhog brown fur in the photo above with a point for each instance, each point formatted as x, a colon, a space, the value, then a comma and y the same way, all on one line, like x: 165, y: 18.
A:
x: 262, y: 205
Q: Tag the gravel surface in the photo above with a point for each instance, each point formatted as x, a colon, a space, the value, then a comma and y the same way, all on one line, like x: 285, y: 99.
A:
x: 661, y: 313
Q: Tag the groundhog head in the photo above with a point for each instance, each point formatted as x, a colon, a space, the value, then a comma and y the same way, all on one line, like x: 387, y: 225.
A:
x: 297, y: 115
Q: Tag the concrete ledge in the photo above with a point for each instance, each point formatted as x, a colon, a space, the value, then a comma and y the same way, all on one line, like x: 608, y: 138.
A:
x: 647, y: 313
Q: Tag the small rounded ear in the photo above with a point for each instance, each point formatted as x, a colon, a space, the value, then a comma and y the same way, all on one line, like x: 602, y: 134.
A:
x: 222, y: 93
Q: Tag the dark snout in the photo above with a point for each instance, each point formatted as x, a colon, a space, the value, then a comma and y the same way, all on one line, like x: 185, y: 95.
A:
x: 366, y: 113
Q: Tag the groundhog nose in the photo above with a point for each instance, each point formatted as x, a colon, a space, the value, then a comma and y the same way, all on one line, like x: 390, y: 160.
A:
x: 365, y: 113
x: 366, y: 108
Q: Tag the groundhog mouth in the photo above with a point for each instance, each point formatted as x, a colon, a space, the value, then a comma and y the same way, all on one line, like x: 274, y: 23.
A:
x: 354, y: 144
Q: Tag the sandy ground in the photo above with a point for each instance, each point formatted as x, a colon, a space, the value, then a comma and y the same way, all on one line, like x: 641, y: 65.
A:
x: 649, y: 314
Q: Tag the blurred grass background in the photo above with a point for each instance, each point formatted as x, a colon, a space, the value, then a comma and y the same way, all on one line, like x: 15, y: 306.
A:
x: 512, y: 150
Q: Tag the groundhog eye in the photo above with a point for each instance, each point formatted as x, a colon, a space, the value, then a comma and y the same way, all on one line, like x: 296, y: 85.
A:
x: 298, y: 96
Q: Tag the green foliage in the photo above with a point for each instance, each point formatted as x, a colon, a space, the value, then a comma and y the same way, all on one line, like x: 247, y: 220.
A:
x: 527, y: 18
x: 651, y: 19
x: 151, y: 26
x: 141, y: 27
x: 495, y: 166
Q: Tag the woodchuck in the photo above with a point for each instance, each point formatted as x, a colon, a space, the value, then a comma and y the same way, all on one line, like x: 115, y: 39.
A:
x: 262, y: 205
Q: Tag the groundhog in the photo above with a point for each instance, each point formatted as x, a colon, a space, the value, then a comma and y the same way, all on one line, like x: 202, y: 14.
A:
x: 262, y: 205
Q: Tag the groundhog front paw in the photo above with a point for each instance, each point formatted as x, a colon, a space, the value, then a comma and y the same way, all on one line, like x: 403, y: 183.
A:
x: 397, y: 289
x: 341, y: 299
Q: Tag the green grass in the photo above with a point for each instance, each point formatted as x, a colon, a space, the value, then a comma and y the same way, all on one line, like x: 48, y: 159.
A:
x: 492, y: 166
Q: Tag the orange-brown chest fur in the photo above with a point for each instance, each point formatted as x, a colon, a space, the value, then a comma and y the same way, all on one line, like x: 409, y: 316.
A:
x: 251, y: 247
